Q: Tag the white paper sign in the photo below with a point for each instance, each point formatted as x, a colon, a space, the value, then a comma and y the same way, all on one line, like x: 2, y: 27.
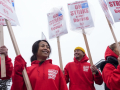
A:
x: 105, y: 9
x: 7, y: 11
x: 2, y: 20
x: 80, y: 15
x: 57, y: 24
x: 13, y: 4
x: 114, y: 6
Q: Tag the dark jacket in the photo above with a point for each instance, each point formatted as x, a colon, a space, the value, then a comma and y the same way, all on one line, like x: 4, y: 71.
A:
x: 111, y: 70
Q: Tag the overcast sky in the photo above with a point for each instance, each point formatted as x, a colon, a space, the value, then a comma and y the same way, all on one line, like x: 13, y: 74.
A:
x: 32, y: 16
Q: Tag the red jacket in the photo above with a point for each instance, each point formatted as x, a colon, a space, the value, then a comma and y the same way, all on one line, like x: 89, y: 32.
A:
x: 9, y: 68
x: 111, y: 75
x: 80, y: 75
x: 42, y: 77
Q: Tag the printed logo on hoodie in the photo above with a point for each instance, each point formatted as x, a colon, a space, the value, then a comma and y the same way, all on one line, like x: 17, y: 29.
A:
x: 52, y: 73
x: 85, y: 68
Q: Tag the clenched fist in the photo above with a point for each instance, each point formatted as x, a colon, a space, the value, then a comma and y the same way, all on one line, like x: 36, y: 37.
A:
x: 94, y: 69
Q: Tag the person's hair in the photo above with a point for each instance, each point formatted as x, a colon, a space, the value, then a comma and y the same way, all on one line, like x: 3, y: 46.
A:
x: 113, y: 46
x: 35, y: 48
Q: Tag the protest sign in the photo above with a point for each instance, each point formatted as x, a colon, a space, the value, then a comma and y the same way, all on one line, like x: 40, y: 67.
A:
x: 7, y: 11
x: 108, y: 17
x: 57, y: 24
x: 105, y: 10
x: 81, y: 19
x: 114, y: 6
x: 2, y: 20
x: 80, y: 15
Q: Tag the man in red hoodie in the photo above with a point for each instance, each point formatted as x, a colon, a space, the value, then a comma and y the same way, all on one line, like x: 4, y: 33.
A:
x: 79, y: 72
x: 111, y: 68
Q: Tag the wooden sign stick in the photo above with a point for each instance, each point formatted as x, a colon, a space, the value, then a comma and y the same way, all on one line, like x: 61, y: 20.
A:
x: 113, y: 34
x: 3, y: 67
x: 59, y: 51
x: 88, y: 50
x: 25, y: 76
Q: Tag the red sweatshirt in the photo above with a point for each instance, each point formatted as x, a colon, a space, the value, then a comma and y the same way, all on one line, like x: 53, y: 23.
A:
x: 42, y: 77
x: 80, y: 75
x: 9, y: 68
x: 111, y: 75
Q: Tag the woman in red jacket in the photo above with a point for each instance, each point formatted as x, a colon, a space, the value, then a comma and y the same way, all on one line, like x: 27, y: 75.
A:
x: 42, y: 74
x: 111, y: 68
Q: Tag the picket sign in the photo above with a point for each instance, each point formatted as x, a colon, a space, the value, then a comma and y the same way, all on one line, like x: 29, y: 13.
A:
x: 113, y: 35
x: 2, y: 20
x: 7, y: 12
x: 24, y: 73
x: 106, y: 11
x: 81, y: 19
x: 60, y: 56
x: 3, y: 68
x: 57, y: 27
x: 114, y: 6
x: 80, y: 16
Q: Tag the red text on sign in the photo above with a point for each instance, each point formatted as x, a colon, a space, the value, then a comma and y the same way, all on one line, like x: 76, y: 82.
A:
x: 81, y: 19
x: 78, y: 6
x: 114, y: 3
x: 81, y: 11
x: 117, y: 11
x: 6, y: 6
x: 5, y: 11
x: 56, y: 20
x: 56, y: 27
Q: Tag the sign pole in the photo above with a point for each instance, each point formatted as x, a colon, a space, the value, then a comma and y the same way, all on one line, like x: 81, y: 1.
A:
x: 60, y: 56
x: 3, y: 67
x: 25, y: 76
x: 113, y: 34
x: 88, y: 50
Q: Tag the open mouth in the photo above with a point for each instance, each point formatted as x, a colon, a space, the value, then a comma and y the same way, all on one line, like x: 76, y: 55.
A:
x: 46, y: 52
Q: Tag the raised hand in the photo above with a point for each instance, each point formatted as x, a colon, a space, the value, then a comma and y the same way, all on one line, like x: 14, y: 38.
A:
x: 4, y: 50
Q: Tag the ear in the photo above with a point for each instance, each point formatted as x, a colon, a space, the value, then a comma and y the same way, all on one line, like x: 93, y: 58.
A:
x: 83, y: 53
x: 114, y: 51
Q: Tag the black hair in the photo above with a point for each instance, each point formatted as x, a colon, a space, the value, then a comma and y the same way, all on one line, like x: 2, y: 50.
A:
x: 35, y: 48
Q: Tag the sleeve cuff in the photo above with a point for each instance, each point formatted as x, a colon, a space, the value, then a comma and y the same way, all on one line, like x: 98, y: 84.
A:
x: 7, y: 59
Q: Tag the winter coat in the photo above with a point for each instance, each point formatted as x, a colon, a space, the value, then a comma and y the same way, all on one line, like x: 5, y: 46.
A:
x: 80, y: 76
x: 42, y: 77
x: 111, y: 70
x: 9, y: 68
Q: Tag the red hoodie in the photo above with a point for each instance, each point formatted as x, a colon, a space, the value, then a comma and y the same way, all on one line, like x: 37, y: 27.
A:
x: 42, y: 77
x: 111, y: 75
x: 9, y: 68
x: 80, y: 75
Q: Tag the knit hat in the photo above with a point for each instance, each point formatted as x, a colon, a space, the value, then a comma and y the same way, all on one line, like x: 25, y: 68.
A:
x: 80, y: 48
